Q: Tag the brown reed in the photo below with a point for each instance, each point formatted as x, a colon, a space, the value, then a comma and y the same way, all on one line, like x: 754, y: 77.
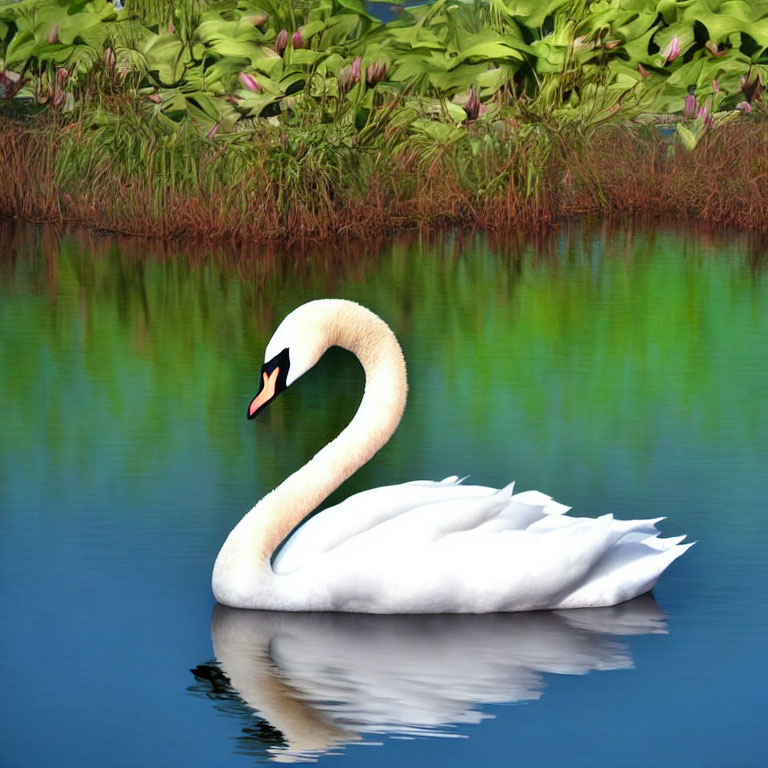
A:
x: 258, y: 191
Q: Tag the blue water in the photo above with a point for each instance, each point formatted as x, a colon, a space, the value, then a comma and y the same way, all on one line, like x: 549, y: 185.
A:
x: 619, y: 370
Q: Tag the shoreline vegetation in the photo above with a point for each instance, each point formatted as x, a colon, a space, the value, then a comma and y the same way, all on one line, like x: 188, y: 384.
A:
x: 265, y: 120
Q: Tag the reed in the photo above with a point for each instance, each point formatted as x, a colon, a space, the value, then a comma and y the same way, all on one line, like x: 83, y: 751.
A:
x: 284, y: 119
x: 111, y: 171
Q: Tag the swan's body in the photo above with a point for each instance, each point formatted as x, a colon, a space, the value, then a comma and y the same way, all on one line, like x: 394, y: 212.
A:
x: 420, y: 547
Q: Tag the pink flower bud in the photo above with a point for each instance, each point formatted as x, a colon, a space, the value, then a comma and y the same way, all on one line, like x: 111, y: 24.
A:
x: 715, y: 86
x: 705, y: 115
x: 212, y: 130
x: 714, y: 49
x: 642, y: 70
x: 751, y: 88
x: 156, y: 97
x: 376, y: 72
x: 59, y: 97
x: 672, y: 50
x: 53, y: 35
x: 249, y: 82
x: 281, y: 42
x: 472, y: 105
x: 297, y: 41
x: 355, y: 71
x: 689, y: 106
x: 349, y: 75
x: 744, y: 106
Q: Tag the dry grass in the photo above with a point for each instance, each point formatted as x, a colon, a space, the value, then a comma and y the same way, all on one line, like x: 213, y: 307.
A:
x: 259, y: 188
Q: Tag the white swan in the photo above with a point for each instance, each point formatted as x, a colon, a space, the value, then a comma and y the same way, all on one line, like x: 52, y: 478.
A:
x: 419, y: 547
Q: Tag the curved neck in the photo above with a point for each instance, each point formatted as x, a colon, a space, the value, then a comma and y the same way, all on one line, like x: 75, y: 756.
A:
x: 254, y: 539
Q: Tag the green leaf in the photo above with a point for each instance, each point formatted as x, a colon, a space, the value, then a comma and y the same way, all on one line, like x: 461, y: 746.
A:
x: 533, y: 12
x: 306, y: 57
x: 687, y: 137
x: 456, y: 112
x: 486, y: 45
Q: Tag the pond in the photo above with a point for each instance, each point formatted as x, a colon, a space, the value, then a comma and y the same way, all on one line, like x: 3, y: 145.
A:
x: 620, y: 370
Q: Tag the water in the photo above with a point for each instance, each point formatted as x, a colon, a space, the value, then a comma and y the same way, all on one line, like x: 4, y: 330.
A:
x: 621, y: 371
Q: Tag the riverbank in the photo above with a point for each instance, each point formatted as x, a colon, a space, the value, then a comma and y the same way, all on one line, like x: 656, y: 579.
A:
x: 276, y: 186
x: 282, y: 121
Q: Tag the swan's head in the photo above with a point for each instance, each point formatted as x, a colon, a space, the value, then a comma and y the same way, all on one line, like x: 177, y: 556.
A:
x: 297, y: 344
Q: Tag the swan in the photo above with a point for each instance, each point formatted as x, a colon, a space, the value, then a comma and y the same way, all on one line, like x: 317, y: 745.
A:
x: 421, y: 546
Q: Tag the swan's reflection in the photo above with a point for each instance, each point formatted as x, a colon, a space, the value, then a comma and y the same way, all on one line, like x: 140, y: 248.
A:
x: 325, y: 679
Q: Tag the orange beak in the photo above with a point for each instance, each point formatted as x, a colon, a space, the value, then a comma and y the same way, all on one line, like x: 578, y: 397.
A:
x: 266, y: 393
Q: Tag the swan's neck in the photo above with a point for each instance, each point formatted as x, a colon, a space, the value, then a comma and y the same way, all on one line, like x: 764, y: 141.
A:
x: 254, y: 539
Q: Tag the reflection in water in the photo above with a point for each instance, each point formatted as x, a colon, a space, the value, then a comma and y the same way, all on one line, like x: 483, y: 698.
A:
x: 321, y: 680
x: 628, y: 377
x: 599, y: 318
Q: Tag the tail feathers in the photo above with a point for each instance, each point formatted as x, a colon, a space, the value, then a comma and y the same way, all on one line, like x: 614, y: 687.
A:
x: 629, y: 569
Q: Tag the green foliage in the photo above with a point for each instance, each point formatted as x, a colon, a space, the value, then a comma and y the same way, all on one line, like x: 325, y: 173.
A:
x: 218, y: 66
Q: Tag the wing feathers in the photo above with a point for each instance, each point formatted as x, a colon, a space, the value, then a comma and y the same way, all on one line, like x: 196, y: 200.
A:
x: 458, y: 547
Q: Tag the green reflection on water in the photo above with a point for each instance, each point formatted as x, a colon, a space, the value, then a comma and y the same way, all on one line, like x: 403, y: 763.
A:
x: 621, y: 371
x: 553, y: 361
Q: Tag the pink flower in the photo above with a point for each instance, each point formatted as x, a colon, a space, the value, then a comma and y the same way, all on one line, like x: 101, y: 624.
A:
x: 744, y: 106
x: 672, y: 51
x: 705, y: 115
x: 53, y: 35
x: 751, y: 89
x: 61, y: 76
x: 714, y: 49
x: 715, y: 86
x: 690, y: 105
x: 349, y: 75
x: 281, y: 42
x: 355, y: 71
x: 472, y: 106
x: 10, y: 82
x: 376, y: 72
x: 297, y: 40
x: 249, y: 82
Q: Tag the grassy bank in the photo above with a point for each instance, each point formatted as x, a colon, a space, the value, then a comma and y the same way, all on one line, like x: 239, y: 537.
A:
x: 269, y: 120
x: 263, y: 187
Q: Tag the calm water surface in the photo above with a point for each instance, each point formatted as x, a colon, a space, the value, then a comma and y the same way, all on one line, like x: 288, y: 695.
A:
x: 620, y: 371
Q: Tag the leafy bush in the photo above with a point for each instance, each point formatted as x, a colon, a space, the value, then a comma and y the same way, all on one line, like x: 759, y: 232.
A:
x: 223, y: 65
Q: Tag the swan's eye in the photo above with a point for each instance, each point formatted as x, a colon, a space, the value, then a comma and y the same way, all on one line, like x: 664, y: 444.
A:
x: 273, y: 381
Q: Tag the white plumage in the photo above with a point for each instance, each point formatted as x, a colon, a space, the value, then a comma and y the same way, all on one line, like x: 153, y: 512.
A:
x: 445, y: 547
x: 418, y: 547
